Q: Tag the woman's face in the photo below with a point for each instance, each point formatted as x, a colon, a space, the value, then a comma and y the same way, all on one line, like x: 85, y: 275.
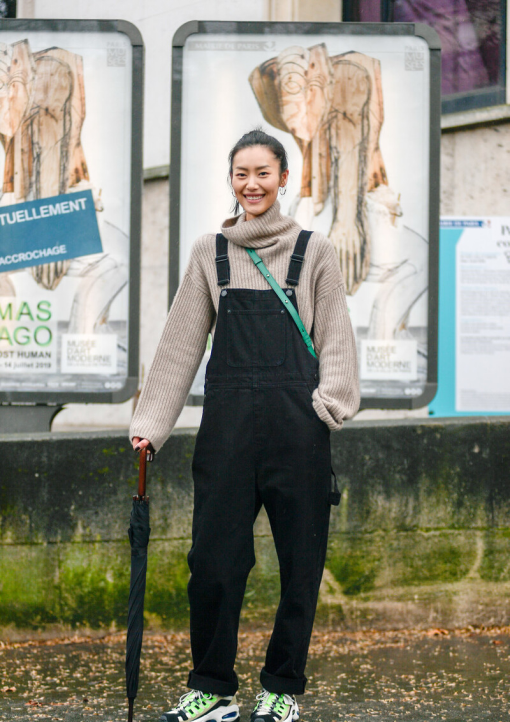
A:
x: 256, y: 178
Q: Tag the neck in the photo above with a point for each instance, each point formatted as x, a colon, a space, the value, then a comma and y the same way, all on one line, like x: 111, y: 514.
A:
x: 259, y: 231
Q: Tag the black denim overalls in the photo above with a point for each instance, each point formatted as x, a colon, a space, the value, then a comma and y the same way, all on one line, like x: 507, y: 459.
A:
x: 260, y: 442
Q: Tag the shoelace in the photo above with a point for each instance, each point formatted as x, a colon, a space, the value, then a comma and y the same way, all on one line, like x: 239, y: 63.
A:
x: 190, y: 698
x: 266, y: 707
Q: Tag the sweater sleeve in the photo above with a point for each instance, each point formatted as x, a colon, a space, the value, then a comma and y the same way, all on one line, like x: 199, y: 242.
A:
x: 337, y: 396
x: 178, y: 356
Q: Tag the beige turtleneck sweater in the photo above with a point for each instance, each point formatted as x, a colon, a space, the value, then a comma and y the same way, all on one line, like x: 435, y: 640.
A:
x: 322, y: 307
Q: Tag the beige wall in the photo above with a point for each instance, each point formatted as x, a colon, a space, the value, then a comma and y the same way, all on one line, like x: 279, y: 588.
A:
x: 305, y: 10
x: 475, y: 171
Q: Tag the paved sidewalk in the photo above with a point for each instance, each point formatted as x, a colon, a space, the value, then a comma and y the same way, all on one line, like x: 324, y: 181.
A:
x: 406, y: 675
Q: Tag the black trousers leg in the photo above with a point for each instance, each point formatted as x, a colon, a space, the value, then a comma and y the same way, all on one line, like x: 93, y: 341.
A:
x: 266, y: 446
x: 222, y: 554
x: 294, y: 480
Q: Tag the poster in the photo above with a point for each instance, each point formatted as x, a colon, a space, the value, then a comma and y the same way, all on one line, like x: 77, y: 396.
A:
x: 353, y: 112
x: 474, y: 321
x: 65, y: 210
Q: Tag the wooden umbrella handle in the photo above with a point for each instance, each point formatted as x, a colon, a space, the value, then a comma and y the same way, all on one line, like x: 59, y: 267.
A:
x: 146, y: 454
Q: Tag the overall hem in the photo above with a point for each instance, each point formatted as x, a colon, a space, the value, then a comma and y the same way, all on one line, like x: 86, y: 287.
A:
x: 282, y: 685
x: 212, y: 686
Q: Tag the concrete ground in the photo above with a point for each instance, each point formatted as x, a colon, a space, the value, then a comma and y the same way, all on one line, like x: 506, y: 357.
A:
x: 406, y: 675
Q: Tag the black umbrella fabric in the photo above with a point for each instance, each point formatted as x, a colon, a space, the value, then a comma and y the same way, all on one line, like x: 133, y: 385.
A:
x: 139, y: 532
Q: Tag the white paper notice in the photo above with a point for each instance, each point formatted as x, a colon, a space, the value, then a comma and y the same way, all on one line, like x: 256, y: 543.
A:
x: 483, y: 317
x: 389, y: 360
x: 89, y: 353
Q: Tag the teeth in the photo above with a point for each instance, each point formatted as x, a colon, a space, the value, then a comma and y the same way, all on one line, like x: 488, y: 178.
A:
x: 254, y: 198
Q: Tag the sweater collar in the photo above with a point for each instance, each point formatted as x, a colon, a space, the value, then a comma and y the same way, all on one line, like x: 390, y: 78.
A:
x: 262, y: 231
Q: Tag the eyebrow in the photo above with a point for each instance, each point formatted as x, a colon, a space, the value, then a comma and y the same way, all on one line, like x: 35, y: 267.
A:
x: 240, y: 167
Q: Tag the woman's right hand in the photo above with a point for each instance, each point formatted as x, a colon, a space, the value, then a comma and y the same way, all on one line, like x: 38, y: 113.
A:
x: 139, y: 444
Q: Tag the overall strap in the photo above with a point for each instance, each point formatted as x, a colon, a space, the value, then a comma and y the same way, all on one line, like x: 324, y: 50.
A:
x: 222, y: 263
x: 297, y: 258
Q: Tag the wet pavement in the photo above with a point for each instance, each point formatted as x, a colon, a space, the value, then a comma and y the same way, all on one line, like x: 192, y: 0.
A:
x: 405, y: 675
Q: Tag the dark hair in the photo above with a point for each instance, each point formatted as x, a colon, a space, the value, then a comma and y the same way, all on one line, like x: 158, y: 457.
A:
x: 257, y: 137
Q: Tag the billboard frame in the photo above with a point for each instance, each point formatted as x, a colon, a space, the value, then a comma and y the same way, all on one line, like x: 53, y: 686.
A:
x: 327, y: 29
x: 58, y: 398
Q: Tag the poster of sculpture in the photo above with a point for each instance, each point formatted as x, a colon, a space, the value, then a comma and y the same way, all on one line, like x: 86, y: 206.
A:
x: 353, y: 114
x: 65, y: 133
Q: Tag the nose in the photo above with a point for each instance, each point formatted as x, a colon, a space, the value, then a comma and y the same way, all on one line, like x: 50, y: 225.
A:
x: 252, y: 183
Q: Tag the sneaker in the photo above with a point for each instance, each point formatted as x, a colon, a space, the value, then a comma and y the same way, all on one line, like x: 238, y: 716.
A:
x: 272, y: 707
x: 195, y: 705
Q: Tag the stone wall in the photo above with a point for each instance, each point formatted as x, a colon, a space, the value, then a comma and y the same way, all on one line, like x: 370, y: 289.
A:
x: 475, y: 171
x: 422, y: 536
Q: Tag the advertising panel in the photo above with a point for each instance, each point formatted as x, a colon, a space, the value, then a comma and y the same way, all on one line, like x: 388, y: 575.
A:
x: 69, y: 210
x: 474, y: 317
x: 357, y: 108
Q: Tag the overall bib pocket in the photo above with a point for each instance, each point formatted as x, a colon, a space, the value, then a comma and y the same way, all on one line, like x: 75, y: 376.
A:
x: 256, y: 337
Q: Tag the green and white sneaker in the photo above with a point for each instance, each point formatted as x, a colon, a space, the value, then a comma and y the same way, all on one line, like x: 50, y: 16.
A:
x: 196, y: 705
x: 272, y: 707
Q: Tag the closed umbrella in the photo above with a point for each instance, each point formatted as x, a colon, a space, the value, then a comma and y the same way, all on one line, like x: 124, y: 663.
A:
x: 139, y: 531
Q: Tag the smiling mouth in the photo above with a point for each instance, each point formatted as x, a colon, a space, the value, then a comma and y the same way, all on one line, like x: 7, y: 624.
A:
x: 254, y: 199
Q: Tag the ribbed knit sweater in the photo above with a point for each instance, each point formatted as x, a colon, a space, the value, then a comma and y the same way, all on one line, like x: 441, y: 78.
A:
x: 322, y: 307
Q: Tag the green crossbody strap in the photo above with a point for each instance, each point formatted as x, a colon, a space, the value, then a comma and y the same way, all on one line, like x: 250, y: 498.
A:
x: 283, y: 298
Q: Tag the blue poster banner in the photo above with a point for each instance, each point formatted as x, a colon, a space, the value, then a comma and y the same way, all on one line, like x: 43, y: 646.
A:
x: 49, y: 229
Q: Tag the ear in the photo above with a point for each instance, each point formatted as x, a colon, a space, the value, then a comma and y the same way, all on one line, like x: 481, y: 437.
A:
x: 284, y: 178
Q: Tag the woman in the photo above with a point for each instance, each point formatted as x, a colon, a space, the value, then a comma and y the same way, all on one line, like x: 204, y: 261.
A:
x: 264, y: 435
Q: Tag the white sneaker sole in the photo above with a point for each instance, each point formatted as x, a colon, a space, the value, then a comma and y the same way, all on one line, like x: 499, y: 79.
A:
x: 224, y: 714
x: 231, y: 715
x: 294, y: 714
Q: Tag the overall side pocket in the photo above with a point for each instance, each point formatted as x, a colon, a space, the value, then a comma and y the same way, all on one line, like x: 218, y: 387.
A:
x: 334, y: 494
